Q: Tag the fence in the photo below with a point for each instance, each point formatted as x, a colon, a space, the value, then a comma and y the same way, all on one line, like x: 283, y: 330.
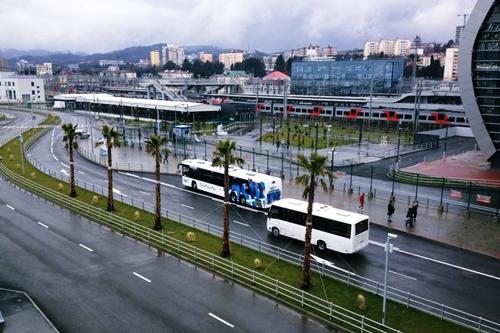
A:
x: 243, y: 275
x: 410, y: 300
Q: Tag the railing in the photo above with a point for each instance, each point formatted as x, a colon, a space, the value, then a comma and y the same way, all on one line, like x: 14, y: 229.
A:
x: 437, y: 309
x: 243, y: 275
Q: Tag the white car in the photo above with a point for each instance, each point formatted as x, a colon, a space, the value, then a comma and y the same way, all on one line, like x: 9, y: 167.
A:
x: 81, y: 134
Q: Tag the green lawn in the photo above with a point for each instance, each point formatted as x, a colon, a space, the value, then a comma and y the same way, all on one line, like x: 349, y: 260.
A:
x: 400, y: 317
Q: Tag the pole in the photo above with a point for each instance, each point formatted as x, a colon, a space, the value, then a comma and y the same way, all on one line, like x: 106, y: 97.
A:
x: 316, y: 138
x: 267, y: 161
x: 416, y: 188
x: 370, y: 193
x: 399, y: 144
x: 331, y: 164
x: 205, y: 149
x: 360, y: 135
x: 253, y: 158
x: 440, y: 207
x: 22, y: 151
x: 274, y: 130
x: 371, y: 96
x: 387, y: 249
x: 157, y: 128
x: 350, y: 181
x: 445, y: 141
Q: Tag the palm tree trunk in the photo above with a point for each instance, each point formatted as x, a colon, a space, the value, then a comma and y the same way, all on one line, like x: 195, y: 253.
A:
x: 306, y: 269
x: 72, y: 191
x: 157, y: 225
x: 226, y: 250
x: 111, y: 206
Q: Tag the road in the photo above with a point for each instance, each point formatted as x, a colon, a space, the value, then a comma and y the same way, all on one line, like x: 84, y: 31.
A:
x: 88, y: 279
x: 461, y: 289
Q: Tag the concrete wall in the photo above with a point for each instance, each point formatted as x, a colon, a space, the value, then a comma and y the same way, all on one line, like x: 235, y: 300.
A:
x: 452, y: 131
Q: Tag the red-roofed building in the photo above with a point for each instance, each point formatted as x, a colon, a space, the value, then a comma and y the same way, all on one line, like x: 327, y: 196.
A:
x: 276, y: 75
x: 272, y: 84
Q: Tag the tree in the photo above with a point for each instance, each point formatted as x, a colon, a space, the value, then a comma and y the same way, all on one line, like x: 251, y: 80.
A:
x: 153, y: 146
x: 69, y: 139
x: 317, y: 169
x: 224, y: 156
x: 170, y: 65
x: 280, y: 65
x: 251, y: 66
x: 186, y: 65
x: 112, y: 140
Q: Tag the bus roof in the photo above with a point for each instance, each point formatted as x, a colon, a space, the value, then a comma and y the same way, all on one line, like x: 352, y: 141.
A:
x: 234, y: 171
x: 322, y: 210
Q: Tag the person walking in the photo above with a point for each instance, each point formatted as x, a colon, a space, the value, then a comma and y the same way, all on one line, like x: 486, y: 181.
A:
x: 409, y: 216
x: 361, y: 206
x: 390, y: 210
x: 415, y: 208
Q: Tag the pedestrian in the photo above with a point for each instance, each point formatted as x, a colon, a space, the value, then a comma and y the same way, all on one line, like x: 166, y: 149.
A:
x: 415, y: 207
x: 409, y: 216
x: 390, y: 210
x: 361, y: 202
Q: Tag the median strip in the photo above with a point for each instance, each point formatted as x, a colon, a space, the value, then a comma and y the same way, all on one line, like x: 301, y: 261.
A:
x: 10, y: 207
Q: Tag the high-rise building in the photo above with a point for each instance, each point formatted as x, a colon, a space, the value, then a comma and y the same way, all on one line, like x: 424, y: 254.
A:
x: 458, y: 34
x: 44, y: 69
x: 479, y: 76
x: 230, y: 58
x: 451, y: 64
x: 172, y: 52
x: 204, y: 57
x: 396, y: 48
x: 154, y: 58
x: 3, y: 64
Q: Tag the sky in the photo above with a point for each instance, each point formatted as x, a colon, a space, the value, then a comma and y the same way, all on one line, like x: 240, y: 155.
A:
x: 91, y: 26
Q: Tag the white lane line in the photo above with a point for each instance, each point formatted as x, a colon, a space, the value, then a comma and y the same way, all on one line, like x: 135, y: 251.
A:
x: 64, y: 172
x: 220, y: 319
x: 186, y: 206
x: 86, y: 248
x: 145, y: 193
x: 81, y: 172
x: 129, y: 174
x: 10, y: 207
x: 403, y: 275
x: 448, y: 264
x: 43, y: 225
x: 238, y: 222
x: 64, y: 165
x: 142, y: 277
x: 119, y: 193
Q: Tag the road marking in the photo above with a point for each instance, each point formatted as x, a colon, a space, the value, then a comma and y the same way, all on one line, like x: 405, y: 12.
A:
x: 142, y: 277
x: 331, y: 264
x: 10, y: 207
x: 220, y: 319
x: 64, y: 172
x: 81, y: 172
x: 43, y: 225
x: 186, y: 206
x: 448, y: 264
x: 86, y: 248
x: 119, y: 193
x: 238, y: 222
x: 403, y: 275
x: 145, y: 193
x: 64, y: 165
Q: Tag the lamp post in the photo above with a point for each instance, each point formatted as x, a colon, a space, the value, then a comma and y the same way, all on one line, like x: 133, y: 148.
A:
x: 388, y: 248
x: 333, y: 156
x: 399, y: 144
x: 445, y: 141
x: 316, y: 137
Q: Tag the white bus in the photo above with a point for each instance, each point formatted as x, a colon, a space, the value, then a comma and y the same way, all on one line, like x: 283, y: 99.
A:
x: 334, y: 229
x: 245, y: 187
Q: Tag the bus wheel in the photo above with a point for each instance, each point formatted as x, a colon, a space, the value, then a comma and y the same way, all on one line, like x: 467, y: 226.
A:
x: 242, y: 200
x: 194, y: 186
x: 232, y: 197
x: 321, y: 245
x: 276, y: 232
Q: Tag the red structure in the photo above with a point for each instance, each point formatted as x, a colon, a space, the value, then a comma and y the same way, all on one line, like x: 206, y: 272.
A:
x: 440, y: 118
x: 259, y: 107
x: 289, y: 108
x: 391, y: 115
x: 354, y: 113
x: 317, y: 110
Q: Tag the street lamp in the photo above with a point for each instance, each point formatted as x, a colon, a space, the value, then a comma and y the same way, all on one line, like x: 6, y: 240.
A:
x: 399, y: 144
x: 388, y: 248
x: 445, y: 141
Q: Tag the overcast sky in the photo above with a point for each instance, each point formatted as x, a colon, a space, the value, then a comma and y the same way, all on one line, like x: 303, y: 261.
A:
x: 268, y: 25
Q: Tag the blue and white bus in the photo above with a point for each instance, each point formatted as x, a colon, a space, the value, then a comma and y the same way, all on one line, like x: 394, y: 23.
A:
x: 335, y: 229
x: 245, y: 187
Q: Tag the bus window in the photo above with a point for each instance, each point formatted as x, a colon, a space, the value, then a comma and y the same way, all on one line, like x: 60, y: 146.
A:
x: 361, y: 226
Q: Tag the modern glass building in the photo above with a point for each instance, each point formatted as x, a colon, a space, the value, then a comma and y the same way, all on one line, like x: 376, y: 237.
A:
x: 479, y: 76
x: 334, y: 78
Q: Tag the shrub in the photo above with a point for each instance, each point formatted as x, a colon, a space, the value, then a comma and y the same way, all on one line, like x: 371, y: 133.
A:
x: 361, y: 302
x: 95, y: 200
x: 137, y: 216
x: 8, y: 150
x: 257, y: 263
x: 190, y: 236
x: 60, y: 187
x: 11, y: 157
x: 18, y: 166
x: 33, y: 175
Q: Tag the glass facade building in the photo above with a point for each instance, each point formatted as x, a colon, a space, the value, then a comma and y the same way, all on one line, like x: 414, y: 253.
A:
x: 336, y: 78
x: 479, y: 76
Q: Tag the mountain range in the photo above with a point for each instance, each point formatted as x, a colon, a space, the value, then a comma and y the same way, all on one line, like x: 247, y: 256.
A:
x: 129, y: 55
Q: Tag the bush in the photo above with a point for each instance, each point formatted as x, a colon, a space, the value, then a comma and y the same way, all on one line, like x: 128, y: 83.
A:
x: 257, y: 263
x: 190, y: 236
x: 18, y: 166
x: 11, y: 157
x: 33, y: 175
x: 137, y: 216
x: 95, y: 200
x: 361, y: 302
x: 60, y: 187
x: 8, y: 150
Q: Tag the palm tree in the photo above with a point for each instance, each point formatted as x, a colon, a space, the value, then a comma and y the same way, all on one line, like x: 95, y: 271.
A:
x: 317, y: 168
x: 153, y: 147
x: 112, y: 137
x: 223, y: 156
x: 70, y: 143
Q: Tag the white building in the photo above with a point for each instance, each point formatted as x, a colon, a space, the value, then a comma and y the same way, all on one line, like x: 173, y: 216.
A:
x: 175, y: 74
x: 103, y: 63
x: 172, y: 52
x: 16, y: 88
x: 396, y: 47
x: 230, y: 58
x: 450, y: 64
x: 44, y: 69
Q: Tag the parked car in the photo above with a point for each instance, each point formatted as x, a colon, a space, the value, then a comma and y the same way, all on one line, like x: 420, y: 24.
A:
x: 81, y: 134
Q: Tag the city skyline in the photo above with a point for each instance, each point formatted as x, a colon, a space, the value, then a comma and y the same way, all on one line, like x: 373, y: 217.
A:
x: 51, y: 25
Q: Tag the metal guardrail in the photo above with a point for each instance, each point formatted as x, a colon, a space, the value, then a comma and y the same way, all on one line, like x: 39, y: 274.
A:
x: 251, y: 278
x: 434, y: 308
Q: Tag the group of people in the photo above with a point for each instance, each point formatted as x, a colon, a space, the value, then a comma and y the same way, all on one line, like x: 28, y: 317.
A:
x: 411, y: 215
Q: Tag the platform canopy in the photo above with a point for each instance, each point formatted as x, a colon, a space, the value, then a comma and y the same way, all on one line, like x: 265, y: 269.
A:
x: 106, y: 99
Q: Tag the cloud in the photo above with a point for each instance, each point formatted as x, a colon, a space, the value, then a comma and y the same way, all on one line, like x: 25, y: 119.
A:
x: 269, y: 25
